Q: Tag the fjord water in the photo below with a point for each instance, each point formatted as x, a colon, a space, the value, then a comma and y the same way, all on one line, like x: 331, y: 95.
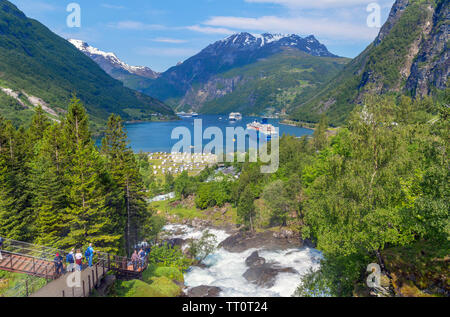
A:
x: 156, y: 136
x: 225, y: 270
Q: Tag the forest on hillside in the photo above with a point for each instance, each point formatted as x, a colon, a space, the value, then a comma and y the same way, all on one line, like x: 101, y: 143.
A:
x: 376, y: 188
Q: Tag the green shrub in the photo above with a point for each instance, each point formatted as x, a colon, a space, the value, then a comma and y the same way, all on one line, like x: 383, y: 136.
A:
x: 159, y: 287
x: 164, y: 256
x: 171, y: 273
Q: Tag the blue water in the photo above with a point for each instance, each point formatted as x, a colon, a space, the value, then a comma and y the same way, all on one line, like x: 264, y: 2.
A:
x: 156, y: 136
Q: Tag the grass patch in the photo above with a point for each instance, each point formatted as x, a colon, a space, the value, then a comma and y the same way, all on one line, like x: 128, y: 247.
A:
x: 171, y: 273
x: 159, y: 287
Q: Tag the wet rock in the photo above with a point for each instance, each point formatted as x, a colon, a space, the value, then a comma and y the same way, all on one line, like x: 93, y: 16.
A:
x: 255, y: 260
x: 284, y: 234
x: 204, y: 291
x: 175, y: 242
x: 242, y: 241
x: 265, y: 275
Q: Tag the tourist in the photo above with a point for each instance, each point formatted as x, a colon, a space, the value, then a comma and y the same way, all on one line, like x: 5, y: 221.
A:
x: 89, y: 254
x: 79, y: 260
x: 58, y: 264
x: 142, y: 257
x: 70, y: 259
x: 134, y: 260
x: 1, y: 246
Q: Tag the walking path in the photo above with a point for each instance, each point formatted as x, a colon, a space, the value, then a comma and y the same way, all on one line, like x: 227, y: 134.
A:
x: 69, y: 286
x: 35, y: 260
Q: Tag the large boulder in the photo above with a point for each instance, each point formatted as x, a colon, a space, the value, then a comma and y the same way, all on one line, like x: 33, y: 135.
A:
x: 255, y: 260
x: 242, y: 241
x: 265, y: 275
x: 204, y: 291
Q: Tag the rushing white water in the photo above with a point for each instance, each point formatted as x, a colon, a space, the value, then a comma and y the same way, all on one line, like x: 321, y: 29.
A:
x: 225, y: 269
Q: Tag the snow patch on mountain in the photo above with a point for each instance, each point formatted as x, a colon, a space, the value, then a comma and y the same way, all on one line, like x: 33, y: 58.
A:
x: 109, y: 60
x: 246, y: 41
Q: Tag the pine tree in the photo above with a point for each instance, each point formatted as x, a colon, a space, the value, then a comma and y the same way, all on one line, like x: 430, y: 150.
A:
x: 246, y: 207
x: 50, y: 188
x: 16, y: 218
x: 320, y: 134
x: 89, y: 217
x: 76, y: 126
x: 124, y: 170
x: 88, y: 213
x: 39, y: 124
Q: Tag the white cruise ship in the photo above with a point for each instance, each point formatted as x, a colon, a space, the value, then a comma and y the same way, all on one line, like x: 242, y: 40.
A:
x: 264, y: 127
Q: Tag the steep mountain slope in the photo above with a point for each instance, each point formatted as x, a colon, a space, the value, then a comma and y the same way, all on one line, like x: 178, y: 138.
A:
x: 134, y: 77
x: 36, y: 62
x: 267, y: 86
x: 235, y: 51
x: 410, y: 55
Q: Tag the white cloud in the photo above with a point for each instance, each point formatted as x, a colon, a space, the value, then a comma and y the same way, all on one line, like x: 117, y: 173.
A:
x: 209, y: 30
x: 322, y: 27
x: 168, y: 40
x: 136, y: 25
x: 322, y: 4
x: 112, y: 6
x: 174, y: 52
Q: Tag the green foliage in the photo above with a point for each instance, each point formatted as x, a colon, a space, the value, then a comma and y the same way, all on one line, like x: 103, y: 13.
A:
x: 159, y: 287
x: 213, y: 194
x: 124, y: 170
x: 313, y: 284
x: 246, y: 207
x: 273, y: 84
x: 165, y: 256
x: 277, y: 198
x: 59, y: 190
x: 35, y: 60
x: 13, y: 111
x: 185, y: 185
x: 172, y: 273
x: 378, y: 69
x: 199, y: 249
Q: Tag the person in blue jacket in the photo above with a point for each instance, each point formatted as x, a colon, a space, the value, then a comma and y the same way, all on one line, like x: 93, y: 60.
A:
x: 89, y: 254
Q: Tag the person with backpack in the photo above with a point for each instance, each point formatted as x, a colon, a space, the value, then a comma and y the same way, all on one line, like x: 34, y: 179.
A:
x: 134, y: 260
x: 70, y: 259
x: 89, y: 254
x: 142, y: 258
x: 58, y: 264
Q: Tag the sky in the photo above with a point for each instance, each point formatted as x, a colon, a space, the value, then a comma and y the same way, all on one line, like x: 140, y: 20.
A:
x: 159, y: 34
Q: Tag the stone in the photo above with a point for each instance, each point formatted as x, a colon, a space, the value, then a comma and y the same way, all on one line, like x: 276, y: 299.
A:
x: 204, y: 291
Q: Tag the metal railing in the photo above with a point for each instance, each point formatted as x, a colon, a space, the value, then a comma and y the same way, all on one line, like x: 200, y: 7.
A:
x: 38, y: 262
x: 36, y: 251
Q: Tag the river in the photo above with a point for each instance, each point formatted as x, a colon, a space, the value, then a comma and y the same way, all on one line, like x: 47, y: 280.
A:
x: 225, y: 269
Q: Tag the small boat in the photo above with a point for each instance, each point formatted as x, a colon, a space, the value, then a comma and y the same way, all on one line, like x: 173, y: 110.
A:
x: 235, y: 116
x: 194, y: 115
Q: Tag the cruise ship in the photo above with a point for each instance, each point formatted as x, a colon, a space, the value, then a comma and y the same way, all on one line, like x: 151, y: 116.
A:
x: 235, y: 116
x: 263, y: 127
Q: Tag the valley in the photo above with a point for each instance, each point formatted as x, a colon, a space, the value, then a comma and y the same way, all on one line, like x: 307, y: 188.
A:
x: 357, y: 201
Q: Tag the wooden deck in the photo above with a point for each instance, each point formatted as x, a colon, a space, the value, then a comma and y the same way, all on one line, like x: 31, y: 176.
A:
x: 34, y: 260
x: 18, y: 263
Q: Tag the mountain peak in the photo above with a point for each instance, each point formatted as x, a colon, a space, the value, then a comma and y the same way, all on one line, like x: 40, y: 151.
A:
x: 248, y: 41
x: 110, y: 62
